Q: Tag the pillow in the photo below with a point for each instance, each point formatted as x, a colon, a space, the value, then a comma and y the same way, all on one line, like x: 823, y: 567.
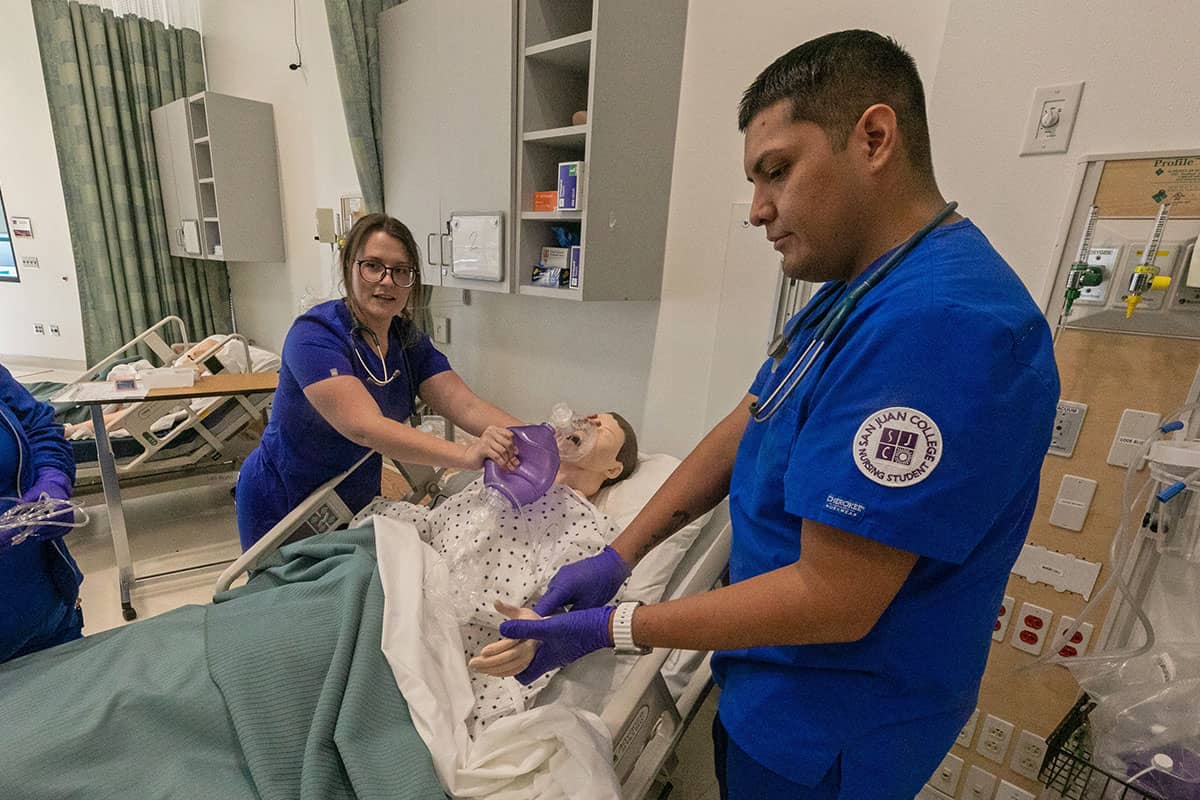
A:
x: 623, y: 501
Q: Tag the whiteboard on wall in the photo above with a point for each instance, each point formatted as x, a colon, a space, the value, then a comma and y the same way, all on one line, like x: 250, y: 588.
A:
x: 477, y: 245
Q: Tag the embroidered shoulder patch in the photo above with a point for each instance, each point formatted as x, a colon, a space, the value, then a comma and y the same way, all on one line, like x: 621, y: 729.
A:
x: 897, y: 446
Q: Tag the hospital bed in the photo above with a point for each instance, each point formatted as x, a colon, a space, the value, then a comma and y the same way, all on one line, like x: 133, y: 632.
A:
x: 164, y: 438
x: 645, y: 702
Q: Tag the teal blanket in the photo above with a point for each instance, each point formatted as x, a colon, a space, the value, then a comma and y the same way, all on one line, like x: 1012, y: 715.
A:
x: 278, y: 690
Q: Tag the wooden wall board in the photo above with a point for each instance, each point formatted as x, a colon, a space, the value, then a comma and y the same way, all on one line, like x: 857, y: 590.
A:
x: 1110, y: 372
x: 1135, y: 187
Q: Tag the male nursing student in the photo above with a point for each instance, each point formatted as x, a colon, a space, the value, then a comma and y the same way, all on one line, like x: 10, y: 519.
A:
x: 878, y: 504
x: 351, y: 372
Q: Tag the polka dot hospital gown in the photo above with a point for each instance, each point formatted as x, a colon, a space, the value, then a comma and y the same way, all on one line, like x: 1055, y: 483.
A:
x: 507, y: 555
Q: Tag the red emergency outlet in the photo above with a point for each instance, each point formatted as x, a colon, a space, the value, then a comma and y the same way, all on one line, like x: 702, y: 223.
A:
x: 1029, y: 637
x: 1033, y: 622
x: 1068, y: 651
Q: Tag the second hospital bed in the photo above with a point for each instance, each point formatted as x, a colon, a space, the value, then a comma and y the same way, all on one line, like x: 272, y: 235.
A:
x: 647, y: 702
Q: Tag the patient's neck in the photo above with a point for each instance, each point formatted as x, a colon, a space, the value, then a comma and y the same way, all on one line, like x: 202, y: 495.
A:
x: 585, y: 481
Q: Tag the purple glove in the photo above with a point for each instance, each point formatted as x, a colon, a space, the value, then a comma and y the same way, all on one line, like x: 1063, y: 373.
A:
x: 588, y: 583
x: 49, y: 481
x: 563, y: 638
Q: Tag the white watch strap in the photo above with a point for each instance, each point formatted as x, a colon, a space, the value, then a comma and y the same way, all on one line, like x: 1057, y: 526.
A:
x: 622, y: 627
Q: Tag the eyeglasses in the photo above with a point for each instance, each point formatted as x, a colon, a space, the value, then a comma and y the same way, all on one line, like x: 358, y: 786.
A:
x: 373, y: 271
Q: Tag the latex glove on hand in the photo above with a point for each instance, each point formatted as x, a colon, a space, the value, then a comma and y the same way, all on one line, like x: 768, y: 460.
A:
x: 507, y: 657
x: 562, y: 638
x: 49, y: 481
x: 588, y: 583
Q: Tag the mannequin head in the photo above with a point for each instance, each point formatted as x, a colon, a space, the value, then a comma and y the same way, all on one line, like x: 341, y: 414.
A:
x: 612, y: 459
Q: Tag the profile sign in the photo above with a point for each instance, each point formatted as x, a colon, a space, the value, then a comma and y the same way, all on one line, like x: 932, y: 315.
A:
x: 8, y: 258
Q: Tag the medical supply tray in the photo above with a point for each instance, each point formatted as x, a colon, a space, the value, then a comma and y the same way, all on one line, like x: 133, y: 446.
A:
x: 1067, y: 768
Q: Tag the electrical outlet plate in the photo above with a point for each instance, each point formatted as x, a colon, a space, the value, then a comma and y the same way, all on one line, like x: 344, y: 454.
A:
x: 1164, y: 261
x: 30, y: 262
x: 1031, y: 628
x: 1079, y: 642
x: 1107, y: 258
x: 1002, y: 618
x: 1008, y: 791
x: 39, y: 329
x: 979, y: 785
x: 1068, y: 421
x: 1028, y: 754
x: 55, y: 331
x: 1072, y: 502
x: 994, y: 737
x: 968, y: 731
x: 1132, y: 432
x: 945, y: 777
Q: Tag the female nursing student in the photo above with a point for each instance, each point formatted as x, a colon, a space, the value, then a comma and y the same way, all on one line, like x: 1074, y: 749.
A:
x: 39, y: 581
x: 352, y: 369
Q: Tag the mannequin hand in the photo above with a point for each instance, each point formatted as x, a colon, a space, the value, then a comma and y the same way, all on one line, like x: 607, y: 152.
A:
x: 494, y: 443
x: 588, y: 583
x: 49, y: 481
x: 563, y: 638
x: 507, y: 657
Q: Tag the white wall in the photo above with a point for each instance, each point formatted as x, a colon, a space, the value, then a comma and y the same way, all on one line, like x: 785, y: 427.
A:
x: 32, y: 187
x: 726, y: 48
x: 1138, y: 62
x: 248, y: 48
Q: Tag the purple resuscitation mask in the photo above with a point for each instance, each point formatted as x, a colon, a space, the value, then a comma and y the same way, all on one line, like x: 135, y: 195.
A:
x: 538, y: 453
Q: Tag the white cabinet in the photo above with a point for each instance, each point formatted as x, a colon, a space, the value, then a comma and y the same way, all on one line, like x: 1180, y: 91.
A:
x: 447, y: 88
x: 218, y: 167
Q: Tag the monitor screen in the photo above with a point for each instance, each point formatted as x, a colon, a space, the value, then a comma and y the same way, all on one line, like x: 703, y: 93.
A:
x: 8, y: 258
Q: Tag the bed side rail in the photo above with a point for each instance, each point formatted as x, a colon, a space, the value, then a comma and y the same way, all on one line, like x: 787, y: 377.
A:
x: 321, y: 511
x: 150, y: 337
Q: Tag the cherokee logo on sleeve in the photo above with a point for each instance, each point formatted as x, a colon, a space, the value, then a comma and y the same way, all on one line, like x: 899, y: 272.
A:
x: 897, y: 446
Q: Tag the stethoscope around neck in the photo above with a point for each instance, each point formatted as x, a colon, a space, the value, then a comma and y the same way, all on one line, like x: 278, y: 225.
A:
x: 833, y: 322
x: 371, y: 376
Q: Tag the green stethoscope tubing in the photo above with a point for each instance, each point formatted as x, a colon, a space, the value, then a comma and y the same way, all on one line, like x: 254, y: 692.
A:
x: 835, y: 319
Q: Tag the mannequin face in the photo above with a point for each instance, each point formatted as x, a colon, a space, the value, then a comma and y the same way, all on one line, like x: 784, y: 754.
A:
x: 602, y: 458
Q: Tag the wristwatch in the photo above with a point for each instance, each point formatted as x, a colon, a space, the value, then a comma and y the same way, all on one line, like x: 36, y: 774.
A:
x: 622, y: 630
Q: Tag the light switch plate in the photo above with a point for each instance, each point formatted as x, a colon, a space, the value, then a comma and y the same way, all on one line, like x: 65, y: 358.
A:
x: 1072, y: 502
x: 945, y: 777
x: 1008, y: 791
x: 1132, y: 432
x: 1051, y: 118
x: 979, y: 785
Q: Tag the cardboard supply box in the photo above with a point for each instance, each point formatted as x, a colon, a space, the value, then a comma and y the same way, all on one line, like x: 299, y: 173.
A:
x: 571, y: 176
x: 552, y: 270
x: 573, y: 260
x: 545, y: 201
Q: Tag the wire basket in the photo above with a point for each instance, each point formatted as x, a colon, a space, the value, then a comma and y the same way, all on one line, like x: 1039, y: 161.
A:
x: 1067, y: 770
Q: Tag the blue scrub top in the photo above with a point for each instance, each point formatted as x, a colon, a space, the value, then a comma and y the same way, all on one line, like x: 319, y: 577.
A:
x: 299, y: 449
x: 923, y: 425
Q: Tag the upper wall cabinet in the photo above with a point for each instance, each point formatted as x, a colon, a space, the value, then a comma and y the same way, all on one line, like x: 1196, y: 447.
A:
x: 447, y: 81
x: 619, y: 61
x: 218, y: 165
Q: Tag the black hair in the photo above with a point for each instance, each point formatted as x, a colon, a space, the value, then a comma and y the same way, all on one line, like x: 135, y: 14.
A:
x: 833, y: 79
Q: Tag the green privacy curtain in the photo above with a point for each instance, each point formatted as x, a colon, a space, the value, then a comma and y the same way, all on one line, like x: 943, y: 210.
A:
x: 354, y: 33
x: 104, y: 73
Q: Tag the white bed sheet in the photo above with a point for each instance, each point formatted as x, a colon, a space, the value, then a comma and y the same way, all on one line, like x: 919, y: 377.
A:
x: 539, y: 754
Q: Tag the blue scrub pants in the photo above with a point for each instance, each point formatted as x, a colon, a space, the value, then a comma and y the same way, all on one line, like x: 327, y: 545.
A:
x: 67, y: 626
x: 742, y: 778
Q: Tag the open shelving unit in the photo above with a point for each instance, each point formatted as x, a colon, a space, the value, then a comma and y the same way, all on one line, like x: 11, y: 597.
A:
x: 620, y: 62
